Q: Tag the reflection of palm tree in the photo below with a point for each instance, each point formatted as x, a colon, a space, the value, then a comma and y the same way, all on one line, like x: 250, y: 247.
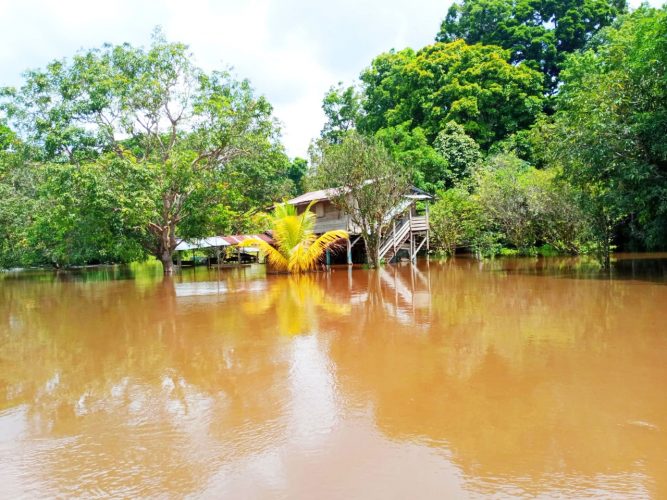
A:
x: 297, y: 248
x: 296, y: 301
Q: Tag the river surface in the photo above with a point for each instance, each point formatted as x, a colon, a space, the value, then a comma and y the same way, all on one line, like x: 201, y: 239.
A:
x: 511, y: 378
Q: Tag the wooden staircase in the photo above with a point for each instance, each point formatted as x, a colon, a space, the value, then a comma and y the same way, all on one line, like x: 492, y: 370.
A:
x: 409, y: 233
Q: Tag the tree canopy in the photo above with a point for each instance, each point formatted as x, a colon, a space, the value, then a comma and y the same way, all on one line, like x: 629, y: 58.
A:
x: 540, y: 34
x: 153, y: 141
x: 474, y: 85
x: 609, y: 131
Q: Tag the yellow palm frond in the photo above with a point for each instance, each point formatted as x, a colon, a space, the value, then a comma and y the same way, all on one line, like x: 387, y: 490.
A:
x: 327, y: 240
x: 277, y: 259
x: 297, y: 248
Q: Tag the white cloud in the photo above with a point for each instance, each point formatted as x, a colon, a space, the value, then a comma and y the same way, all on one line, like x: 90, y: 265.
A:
x: 291, y: 50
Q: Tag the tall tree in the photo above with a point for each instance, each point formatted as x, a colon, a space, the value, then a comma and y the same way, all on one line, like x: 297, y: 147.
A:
x: 474, y: 85
x: 342, y: 109
x: 366, y: 183
x: 609, y: 131
x: 297, y: 172
x: 151, y: 109
x: 412, y: 150
x: 539, y: 33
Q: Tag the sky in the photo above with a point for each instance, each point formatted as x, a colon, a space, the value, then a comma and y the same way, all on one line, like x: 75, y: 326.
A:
x: 291, y: 50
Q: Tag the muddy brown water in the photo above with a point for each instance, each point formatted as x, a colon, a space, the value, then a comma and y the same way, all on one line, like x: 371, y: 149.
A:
x: 512, y: 378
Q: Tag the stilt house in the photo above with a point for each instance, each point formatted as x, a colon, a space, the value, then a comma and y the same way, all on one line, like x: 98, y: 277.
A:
x: 407, y: 235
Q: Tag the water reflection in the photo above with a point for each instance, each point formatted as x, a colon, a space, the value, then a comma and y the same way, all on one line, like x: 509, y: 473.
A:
x: 296, y: 303
x: 445, y: 379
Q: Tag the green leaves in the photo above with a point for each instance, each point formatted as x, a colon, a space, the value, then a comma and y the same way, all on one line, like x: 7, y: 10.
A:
x: 537, y: 33
x: 509, y: 203
x: 610, y: 127
x: 342, y: 108
x: 142, y: 147
x: 473, y: 85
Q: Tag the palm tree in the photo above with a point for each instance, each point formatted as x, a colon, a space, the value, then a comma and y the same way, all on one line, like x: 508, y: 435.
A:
x: 297, y: 248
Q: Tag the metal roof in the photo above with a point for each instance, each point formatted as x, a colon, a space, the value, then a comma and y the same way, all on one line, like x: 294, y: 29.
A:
x: 325, y: 194
x: 238, y: 238
x: 210, y: 242
x: 220, y: 241
x: 321, y: 194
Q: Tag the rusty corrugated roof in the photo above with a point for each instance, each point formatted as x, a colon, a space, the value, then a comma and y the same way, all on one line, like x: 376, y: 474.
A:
x: 238, y: 238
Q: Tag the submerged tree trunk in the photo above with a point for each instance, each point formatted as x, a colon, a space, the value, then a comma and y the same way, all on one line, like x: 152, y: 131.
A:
x: 167, y: 263
x: 372, y: 242
x: 165, y: 245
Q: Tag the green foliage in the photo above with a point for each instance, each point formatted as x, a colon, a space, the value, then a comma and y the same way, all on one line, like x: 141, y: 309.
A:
x: 474, y: 85
x: 296, y: 172
x: 461, y: 153
x: 411, y: 149
x: 89, y: 214
x: 456, y: 220
x: 538, y: 33
x: 513, y: 205
x: 198, y: 141
x: 609, y: 131
x: 527, y: 206
x: 342, y: 108
x: 18, y: 198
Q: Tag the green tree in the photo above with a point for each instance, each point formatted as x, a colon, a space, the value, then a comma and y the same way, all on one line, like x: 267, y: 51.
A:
x: 528, y: 206
x: 297, y: 171
x: 155, y: 111
x: 609, y: 131
x: 410, y: 148
x: 456, y: 220
x: 474, y: 85
x: 538, y: 33
x: 342, y: 109
x: 90, y: 213
x: 366, y: 183
x: 18, y: 199
x: 460, y: 152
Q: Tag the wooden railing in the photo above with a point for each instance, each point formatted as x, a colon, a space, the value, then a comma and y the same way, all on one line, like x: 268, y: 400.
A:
x: 400, y: 234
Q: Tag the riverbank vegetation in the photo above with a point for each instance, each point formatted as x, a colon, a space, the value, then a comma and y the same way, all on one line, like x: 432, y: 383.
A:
x: 536, y: 127
x: 554, y: 136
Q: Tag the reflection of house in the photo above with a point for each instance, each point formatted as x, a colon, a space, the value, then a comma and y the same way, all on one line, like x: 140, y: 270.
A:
x: 409, y: 231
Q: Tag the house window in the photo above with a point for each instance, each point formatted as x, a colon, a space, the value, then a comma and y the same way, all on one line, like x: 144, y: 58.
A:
x: 319, y: 210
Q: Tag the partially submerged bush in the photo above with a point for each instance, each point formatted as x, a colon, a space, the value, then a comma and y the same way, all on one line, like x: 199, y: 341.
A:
x: 511, y: 204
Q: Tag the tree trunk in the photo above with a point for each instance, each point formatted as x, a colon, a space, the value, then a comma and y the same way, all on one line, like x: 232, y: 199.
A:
x: 166, y: 246
x: 167, y: 262
x: 372, y: 250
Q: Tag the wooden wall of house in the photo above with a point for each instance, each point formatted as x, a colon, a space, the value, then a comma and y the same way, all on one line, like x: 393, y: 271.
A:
x: 328, y: 216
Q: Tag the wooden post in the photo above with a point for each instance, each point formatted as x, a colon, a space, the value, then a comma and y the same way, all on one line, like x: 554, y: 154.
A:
x: 179, y: 260
x: 428, y: 232
x: 328, y: 254
x: 412, y: 242
x: 349, y: 252
x: 238, y: 255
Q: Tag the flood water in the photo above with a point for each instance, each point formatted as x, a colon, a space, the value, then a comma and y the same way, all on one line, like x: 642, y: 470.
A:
x: 511, y: 378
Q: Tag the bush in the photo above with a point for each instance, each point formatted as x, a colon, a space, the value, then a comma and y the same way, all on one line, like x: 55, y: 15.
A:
x: 512, y: 207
